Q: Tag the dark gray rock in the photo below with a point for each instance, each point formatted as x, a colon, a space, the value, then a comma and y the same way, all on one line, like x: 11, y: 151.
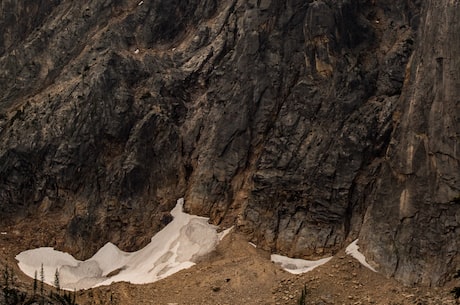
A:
x: 291, y: 120
x: 417, y: 190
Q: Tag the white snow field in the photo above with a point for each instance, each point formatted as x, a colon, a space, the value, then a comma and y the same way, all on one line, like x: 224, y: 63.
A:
x: 353, y: 250
x: 176, y: 247
x: 296, y: 265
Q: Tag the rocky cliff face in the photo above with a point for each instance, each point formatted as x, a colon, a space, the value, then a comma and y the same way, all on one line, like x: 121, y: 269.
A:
x: 417, y: 190
x: 306, y: 124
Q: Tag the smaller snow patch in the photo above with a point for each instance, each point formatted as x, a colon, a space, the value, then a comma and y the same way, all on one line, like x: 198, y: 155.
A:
x: 296, y: 265
x: 224, y: 233
x: 353, y: 250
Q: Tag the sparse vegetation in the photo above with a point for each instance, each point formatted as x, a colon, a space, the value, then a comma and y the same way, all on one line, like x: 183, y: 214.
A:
x: 56, y: 282
x: 12, y: 295
x: 303, y: 296
x: 35, y: 283
x: 42, y: 280
x: 66, y: 299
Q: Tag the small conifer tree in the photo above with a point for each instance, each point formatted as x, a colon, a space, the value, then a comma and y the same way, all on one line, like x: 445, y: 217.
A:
x: 303, y: 296
x: 35, y: 283
x: 56, y: 281
x: 42, y: 280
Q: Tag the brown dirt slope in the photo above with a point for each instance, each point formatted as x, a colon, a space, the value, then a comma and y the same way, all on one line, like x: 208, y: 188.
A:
x: 237, y: 273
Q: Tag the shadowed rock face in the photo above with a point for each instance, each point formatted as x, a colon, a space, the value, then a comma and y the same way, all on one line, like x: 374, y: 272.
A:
x: 306, y: 124
x: 417, y: 191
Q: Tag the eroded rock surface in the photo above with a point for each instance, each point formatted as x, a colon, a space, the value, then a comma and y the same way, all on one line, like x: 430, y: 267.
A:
x: 417, y: 190
x: 305, y: 123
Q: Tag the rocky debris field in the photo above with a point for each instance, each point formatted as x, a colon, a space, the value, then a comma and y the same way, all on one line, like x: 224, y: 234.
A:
x: 237, y: 273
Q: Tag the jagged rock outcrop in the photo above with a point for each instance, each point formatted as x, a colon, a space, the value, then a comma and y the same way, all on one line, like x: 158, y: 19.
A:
x: 293, y: 120
x: 417, y: 190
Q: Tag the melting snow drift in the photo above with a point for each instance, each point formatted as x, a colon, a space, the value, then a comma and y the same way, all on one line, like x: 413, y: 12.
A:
x: 353, y: 250
x: 297, y: 266
x: 174, y: 248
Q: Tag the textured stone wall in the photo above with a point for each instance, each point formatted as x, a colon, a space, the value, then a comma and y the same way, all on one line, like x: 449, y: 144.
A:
x: 412, y: 226
x: 306, y: 124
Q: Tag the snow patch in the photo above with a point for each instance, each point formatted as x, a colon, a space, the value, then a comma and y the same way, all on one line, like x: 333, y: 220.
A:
x: 225, y: 233
x: 176, y: 247
x: 296, y: 265
x: 353, y: 250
